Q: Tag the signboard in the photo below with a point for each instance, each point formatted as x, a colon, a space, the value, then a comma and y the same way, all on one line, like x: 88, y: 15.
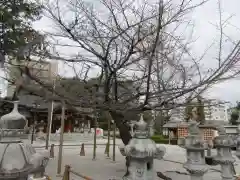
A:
x: 99, y: 131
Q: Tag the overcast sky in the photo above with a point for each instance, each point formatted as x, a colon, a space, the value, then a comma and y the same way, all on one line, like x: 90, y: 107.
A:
x: 205, y: 32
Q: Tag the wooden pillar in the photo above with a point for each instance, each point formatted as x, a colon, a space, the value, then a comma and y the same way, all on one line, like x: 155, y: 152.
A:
x: 61, y: 140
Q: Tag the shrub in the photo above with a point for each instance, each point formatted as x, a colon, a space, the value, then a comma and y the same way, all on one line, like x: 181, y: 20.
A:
x: 159, y: 139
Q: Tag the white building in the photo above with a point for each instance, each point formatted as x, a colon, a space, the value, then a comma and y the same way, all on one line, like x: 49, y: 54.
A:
x: 3, y: 83
x: 177, y: 114
x: 215, y: 110
x: 43, y: 70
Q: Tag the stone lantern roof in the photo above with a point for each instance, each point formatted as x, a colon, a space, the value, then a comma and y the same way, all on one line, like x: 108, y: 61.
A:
x: 12, y: 125
x: 13, y: 120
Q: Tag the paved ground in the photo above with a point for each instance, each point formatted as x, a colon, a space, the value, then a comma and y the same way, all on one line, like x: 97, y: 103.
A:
x: 105, y: 169
x: 102, y: 141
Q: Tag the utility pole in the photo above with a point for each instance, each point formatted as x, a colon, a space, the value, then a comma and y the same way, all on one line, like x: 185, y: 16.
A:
x: 50, y: 115
x: 61, y: 140
x: 108, y: 141
x: 34, y: 121
x: 33, y: 128
x: 95, y: 125
x: 95, y: 138
x: 114, y: 141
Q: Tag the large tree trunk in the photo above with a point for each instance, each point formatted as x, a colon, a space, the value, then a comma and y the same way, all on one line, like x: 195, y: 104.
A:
x: 123, y: 128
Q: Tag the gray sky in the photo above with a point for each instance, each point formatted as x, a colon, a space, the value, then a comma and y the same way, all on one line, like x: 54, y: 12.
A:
x: 204, y: 18
x: 205, y: 32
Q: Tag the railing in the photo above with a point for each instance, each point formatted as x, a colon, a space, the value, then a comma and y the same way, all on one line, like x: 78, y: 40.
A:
x: 74, y: 145
x: 68, y: 171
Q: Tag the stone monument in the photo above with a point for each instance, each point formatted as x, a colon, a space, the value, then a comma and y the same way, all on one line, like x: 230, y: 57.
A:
x: 19, y: 160
x: 141, y: 152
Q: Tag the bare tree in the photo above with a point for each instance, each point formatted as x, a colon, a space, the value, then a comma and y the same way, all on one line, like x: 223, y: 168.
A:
x: 139, y: 42
x: 134, y: 41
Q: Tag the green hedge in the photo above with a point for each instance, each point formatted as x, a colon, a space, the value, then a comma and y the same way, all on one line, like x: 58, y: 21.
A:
x: 157, y: 137
x: 163, y: 140
x: 160, y: 139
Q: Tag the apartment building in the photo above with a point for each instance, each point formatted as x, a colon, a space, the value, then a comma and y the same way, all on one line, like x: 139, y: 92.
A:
x: 214, y: 110
x: 43, y: 70
x: 177, y: 114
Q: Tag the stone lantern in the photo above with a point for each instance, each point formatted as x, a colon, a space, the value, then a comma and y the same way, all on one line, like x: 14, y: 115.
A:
x: 19, y: 160
x: 223, y: 144
x: 194, y: 146
x: 141, y: 152
x: 238, y: 143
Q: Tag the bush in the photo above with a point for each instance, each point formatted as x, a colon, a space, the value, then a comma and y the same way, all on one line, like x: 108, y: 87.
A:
x: 159, y: 139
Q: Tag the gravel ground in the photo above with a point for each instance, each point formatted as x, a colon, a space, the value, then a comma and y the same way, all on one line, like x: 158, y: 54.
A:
x: 104, y: 169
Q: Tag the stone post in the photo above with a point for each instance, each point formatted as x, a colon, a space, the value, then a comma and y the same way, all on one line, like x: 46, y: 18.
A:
x: 224, y: 158
x: 194, y: 145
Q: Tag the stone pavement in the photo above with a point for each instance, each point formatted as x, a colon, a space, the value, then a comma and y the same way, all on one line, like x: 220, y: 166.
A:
x: 105, y: 169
